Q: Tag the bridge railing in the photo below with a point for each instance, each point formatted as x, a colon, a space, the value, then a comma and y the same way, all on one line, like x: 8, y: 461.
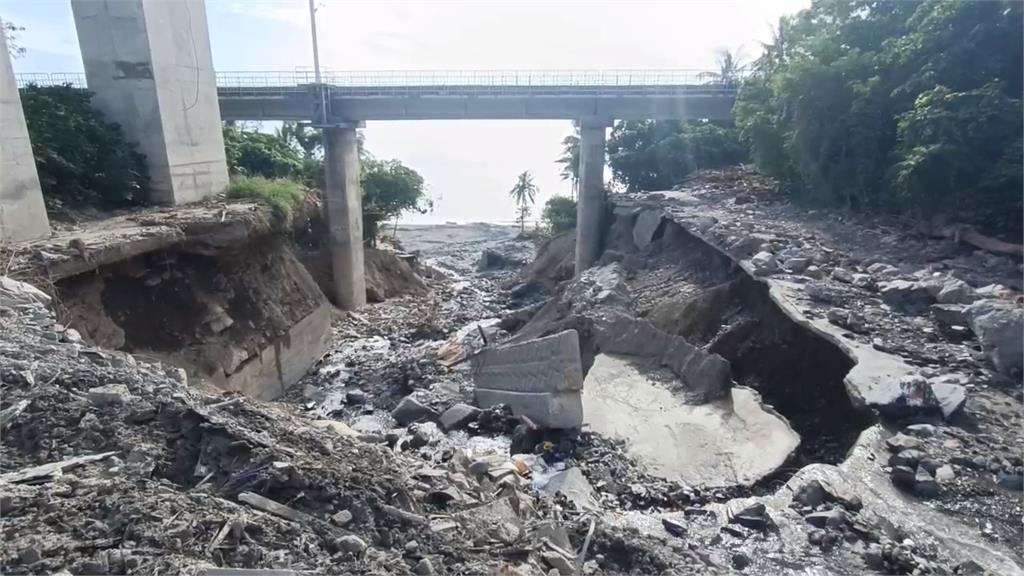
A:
x: 367, y: 82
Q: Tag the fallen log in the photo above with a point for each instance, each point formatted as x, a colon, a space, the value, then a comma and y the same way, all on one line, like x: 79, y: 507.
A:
x: 970, y: 236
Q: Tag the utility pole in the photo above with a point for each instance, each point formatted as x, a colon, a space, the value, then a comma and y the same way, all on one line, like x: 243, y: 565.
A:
x: 316, y: 49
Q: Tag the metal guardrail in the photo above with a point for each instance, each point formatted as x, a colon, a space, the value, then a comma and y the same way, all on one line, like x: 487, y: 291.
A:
x: 441, y: 82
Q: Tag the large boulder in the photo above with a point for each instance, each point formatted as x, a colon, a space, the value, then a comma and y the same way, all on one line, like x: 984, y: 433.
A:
x: 912, y: 297
x: 999, y: 326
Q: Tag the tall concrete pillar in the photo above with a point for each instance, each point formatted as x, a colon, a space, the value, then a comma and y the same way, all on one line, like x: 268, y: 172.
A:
x: 343, y: 201
x: 22, y: 213
x: 149, y: 64
x: 591, y: 206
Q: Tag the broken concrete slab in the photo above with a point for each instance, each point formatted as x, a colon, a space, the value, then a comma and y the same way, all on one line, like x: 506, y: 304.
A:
x: 573, y: 484
x: 547, y: 410
x: 458, y: 416
x: 999, y: 326
x: 734, y: 441
x: 646, y: 228
x: 549, y: 364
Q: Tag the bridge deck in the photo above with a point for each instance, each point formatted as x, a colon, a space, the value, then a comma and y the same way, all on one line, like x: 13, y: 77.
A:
x: 505, y: 94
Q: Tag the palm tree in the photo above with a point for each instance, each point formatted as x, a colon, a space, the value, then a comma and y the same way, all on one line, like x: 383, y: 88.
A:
x: 730, y: 66
x: 772, y: 53
x: 524, y: 193
x: 570, y: 161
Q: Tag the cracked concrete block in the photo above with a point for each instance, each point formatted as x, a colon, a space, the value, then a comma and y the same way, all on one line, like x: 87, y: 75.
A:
x: 545, y: 409
x: 646, y: 228
x: 549, y: 364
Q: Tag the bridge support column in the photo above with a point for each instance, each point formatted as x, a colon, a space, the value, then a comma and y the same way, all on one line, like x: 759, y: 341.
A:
x: 591, y: 205
x: 343, y: 200
x: 22, y: 212
x: 149, y: 64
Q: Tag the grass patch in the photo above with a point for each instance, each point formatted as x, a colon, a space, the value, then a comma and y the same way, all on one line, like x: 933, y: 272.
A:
x: 281, y: 195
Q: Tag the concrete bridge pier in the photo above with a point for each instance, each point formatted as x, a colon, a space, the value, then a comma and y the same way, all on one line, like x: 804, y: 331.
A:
x: 150, y: 66
x: 22, y: 212
x: 343, y: 207
x: 591, y: 206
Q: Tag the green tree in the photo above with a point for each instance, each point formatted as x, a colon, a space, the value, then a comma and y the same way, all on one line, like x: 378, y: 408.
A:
x: 570, y: 161
x: 254, y: 153
x: 655, y: 155
x: 559, y: 214
x: 308, y: 140
x: 524, y: 193
x: 389, y: 189
x: 82, y: 160
x: 899, y: 106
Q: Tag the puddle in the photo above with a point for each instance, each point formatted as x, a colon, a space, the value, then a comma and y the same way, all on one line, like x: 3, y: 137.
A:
x: 729, y: 442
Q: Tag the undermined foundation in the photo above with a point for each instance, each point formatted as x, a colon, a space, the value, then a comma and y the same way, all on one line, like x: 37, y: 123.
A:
x: 227, y: 301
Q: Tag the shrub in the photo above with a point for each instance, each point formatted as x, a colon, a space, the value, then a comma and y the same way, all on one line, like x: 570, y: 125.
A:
x: 280, y: 194
x: 559, y: 214
x: 82, y: 160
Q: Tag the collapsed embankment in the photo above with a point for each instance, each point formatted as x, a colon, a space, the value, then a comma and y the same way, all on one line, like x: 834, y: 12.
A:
x: 213, y: 289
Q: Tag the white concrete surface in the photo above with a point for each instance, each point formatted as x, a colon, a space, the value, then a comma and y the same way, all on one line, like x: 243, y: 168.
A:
x: 343, y: 205
x: 591, y: 206
x: 22, y: 212
x: 150, y: 66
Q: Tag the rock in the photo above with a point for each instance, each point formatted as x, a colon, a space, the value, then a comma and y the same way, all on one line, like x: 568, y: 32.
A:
x: 955, y: 291
x: 648, y: 223
x: 810, y: 494
x: 352, y: 544
x: 864, y: 281
x: 754, y: 517
x: 558, y: 562
x: 925, y: 484
x: 842, y: 275
x: 746, y: 246
x: 909, y: 458
x: 764, y: 264
x: 342, y: 517
x: 816, y: 537
x: 999, y: 327
x: 944, y: 473
x: 740, y: 560
x: 796, y: 265
x: 828, y: 519
x: 14, y: 293
x: 992, y: 291
x: 491, y: 260
x: 911, y: 297
x: 459, y: 416
x: 424, y: 568
x: 949, y: 315
x: 1013, y: 482
x: 71, y: 335
x: 411, y: 410
x: 951, y: 398
x: 813, y: 272
x: 479, y: 467
x: 910, y: 395
x: 336, y: 426
x: 901, y: 442
x: 356, y: 397
x: 821, y: 292
x: 837, y: 316
x: 872, y: 557
x: 902, y: 476
x: 674, y: 528
x: 920, y: 430
x: 109, y: 395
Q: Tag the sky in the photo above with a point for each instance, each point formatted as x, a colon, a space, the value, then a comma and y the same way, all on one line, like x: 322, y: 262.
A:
x: 469, y: 166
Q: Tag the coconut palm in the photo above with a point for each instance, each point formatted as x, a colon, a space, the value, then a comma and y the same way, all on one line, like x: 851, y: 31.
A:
x: 570, y: 161
x: 524, y: 193
x: 730, y: 66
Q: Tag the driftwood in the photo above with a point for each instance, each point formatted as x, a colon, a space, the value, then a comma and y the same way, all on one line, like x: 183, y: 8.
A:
x: 968, y: 235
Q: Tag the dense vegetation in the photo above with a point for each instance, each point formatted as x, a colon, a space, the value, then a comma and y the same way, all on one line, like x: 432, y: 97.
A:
x: 899, y: 106
x: 559, y: 214
x: 82, y: 160
x: 294, y: 153
x: 655, y: 155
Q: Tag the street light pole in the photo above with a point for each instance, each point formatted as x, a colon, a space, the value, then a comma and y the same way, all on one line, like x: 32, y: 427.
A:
x: 316, y: 49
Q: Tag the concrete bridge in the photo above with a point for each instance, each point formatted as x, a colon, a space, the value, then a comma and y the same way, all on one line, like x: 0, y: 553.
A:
x: 149, y: 65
